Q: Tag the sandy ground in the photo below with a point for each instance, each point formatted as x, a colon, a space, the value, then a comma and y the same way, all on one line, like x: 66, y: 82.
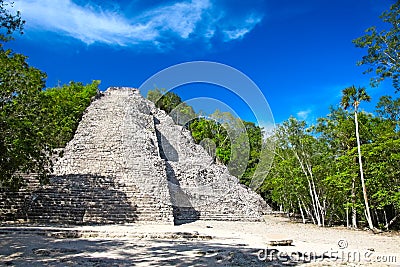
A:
x: 201, y: 243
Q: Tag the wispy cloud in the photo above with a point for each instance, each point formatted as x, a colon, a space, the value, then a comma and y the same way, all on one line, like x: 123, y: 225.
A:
x: 180, y: 18
x: 93, y: 23
x: 245, y: 27
x: 303, y: 114
x: 86, y: 23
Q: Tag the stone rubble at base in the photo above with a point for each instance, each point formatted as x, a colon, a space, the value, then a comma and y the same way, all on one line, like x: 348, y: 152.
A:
x: 129, y: 162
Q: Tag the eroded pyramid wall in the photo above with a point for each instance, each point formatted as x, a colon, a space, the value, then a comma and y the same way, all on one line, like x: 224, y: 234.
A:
x: 128, y: 162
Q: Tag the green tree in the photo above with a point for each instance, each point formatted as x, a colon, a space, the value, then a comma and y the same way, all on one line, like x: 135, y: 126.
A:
x: 22, y: 143
x: 296, y: 179
x: 254, y: 136
x: 171, y: 103
x: 9, y: 22
x: 166, y: 101
x: 389, y: 108
x: 383, y: 163
x: 352, y: 97
x: 155, y: 95
x: 337, y: 131
x: 63, y: 108
x: 33, y: 121
x: 383, y: 48
x: 207, y: 129
x: 319, y: 171
x: 382, y: 154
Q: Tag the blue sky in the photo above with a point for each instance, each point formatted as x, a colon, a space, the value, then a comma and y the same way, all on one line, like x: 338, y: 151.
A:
x: 299, y: 53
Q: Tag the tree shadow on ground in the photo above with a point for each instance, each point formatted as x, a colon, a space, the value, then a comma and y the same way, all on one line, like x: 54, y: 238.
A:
x: 23, y: 250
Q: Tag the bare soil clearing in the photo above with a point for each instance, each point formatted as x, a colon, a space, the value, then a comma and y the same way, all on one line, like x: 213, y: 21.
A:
x: 201, y: 243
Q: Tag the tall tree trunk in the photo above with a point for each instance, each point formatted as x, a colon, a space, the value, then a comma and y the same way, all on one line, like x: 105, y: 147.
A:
x: 311, y: 186
x: 353, y: 204
x: 320, y: 209
x: 367, y: 211
x: 386, y: 220
x: 310, y: 189
x: 302, y: 213
x: 378, y: 222
x: 314, y: 204
x: 308, y: 211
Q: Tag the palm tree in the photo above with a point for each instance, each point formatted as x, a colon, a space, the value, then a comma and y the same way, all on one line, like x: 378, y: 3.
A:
x: 352, y: 97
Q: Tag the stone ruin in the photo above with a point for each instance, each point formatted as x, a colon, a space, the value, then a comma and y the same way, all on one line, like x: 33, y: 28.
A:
x: 128, y: 162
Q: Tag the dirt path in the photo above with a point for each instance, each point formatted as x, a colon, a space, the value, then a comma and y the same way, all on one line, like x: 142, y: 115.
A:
x: 231, y: 244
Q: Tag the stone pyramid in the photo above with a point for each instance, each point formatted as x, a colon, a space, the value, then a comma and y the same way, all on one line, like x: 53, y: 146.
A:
x: 128, y: 162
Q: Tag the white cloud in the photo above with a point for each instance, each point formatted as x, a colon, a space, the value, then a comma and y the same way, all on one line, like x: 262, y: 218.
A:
x: 243, y: 29
x: 84, y: 23
x: 92, y: 24
x: 236, y: 34
x: 303, y: 114
x: 180, y: 18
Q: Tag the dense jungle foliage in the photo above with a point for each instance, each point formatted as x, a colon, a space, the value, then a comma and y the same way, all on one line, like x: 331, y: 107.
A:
x: 345, y: 168
x: 33, y: 120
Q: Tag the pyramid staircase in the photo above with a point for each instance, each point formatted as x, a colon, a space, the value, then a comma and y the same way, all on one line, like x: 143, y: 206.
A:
x: 128, y: 163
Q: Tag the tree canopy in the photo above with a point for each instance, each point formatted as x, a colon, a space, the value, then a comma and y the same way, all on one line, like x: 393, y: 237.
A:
x: 316, y: 169
x: 9, y: 23
x: 33, y: 121
x: 383, y: 48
